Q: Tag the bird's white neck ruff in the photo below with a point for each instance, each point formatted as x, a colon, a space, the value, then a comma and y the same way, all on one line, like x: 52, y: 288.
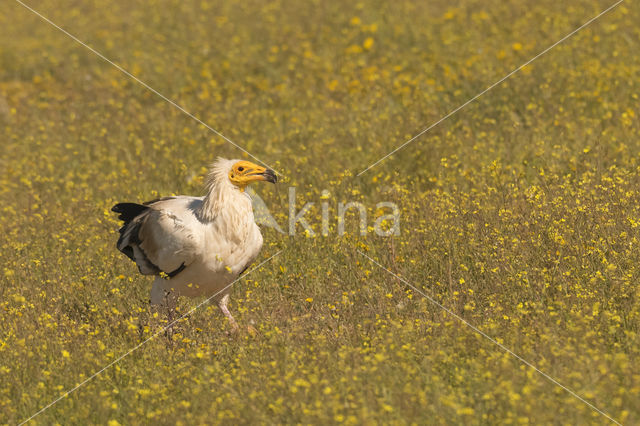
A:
x: 224, y: 203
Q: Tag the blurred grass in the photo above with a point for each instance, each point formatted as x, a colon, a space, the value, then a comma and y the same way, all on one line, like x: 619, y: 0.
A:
x: 520, y: 213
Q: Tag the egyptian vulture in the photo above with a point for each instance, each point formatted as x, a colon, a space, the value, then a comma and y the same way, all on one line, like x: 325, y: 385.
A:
x: 196, y: 245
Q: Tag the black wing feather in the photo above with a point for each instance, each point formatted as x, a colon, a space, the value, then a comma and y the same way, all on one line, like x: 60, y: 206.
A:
x: 128, y: 212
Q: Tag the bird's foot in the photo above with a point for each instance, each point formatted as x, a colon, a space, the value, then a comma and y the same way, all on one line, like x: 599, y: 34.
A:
x: 232, y: 332
x: 237, y: 331
x: 252, y: 331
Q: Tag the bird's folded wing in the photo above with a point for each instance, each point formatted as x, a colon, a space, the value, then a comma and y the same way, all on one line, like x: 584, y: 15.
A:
x: 168, y: 239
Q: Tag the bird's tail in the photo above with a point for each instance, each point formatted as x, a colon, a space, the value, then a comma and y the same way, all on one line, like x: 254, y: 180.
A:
x: 129, y: 230
x: 128, y: 211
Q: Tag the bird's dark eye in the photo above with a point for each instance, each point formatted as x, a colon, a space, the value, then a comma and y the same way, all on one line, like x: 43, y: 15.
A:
x: 240, y: 169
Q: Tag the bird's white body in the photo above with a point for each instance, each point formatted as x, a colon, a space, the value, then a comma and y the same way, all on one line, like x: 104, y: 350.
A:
x: 196, y: 245
x: 214, y: 252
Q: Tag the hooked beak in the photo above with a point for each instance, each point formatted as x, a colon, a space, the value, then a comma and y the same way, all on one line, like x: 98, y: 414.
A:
x: 264, y: 174
x: 270, y: 176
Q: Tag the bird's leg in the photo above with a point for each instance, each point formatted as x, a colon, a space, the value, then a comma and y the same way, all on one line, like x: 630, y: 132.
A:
x: 222, y: 304
x: 158, y: 291
x: 170, y: 302
x: 163, y: 297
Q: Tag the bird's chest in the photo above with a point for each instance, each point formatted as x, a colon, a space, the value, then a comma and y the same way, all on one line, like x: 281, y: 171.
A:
x: 232, y: 245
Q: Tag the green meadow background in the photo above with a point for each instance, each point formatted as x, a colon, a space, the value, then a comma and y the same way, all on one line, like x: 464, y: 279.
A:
x: 520, y: 213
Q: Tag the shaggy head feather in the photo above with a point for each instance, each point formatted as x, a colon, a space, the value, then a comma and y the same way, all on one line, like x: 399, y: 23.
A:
x: 223, y: 197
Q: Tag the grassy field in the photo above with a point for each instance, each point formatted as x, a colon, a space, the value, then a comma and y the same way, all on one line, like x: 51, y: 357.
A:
x: 520, y: 213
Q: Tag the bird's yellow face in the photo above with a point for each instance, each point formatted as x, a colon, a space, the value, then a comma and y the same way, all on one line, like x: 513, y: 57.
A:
x: 244, y: 172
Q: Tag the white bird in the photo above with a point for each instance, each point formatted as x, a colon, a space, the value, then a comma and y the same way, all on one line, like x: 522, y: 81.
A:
x: 196, y: 245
